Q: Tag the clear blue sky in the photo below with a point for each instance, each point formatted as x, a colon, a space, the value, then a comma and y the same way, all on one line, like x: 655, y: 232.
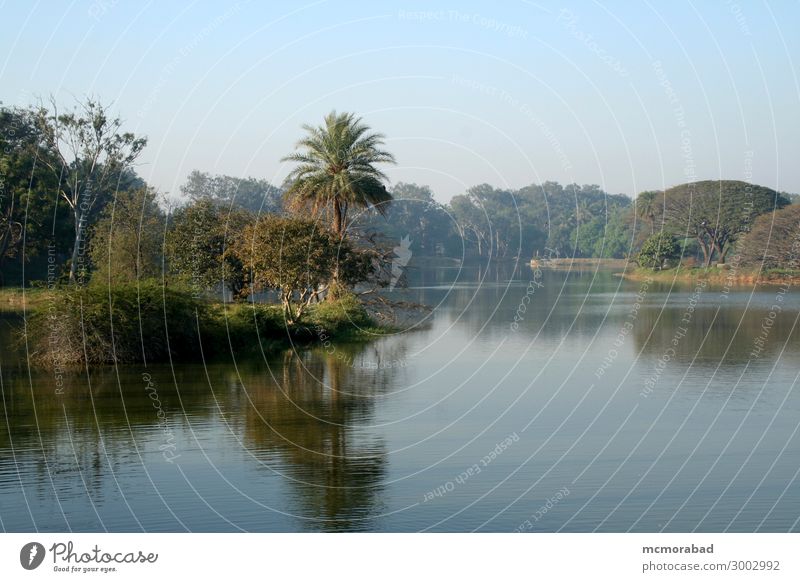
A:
x: 628, y: 95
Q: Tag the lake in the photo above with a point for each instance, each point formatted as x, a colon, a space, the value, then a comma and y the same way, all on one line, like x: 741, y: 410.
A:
x: 525, y: 401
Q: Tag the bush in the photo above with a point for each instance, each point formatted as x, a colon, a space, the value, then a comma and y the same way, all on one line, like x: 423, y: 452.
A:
x: 123, y: 324
x: 126, y: 324
x: 658, y: 251
x: 267, y: 320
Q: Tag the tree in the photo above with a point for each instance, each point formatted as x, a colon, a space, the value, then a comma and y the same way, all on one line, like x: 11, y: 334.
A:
x: 649, y: 205
x: 199, y: 243
x: 715, y: 213
x: 337, y: 169
x: 774, y: 240
x: 658, y: 250
x: 414, y: 214
x: 293, y: 256
x: 248, y: 193
x: 17, y: 171
x: 88, y: 154
x: 471, y: 221
x: 127, y: 243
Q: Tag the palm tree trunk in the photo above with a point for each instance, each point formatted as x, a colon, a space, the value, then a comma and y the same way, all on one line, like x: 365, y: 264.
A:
x: 337, y: 219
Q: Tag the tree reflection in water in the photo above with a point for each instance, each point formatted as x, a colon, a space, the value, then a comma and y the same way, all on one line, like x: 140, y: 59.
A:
x: 308, y: 413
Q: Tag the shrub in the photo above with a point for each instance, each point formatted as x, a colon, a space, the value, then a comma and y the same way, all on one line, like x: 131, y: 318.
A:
x: 658, y: 250
x: 265, y: 319
x: 125, y: 323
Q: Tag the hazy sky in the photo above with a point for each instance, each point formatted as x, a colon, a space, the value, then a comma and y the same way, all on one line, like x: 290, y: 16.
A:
x: 628, y: 95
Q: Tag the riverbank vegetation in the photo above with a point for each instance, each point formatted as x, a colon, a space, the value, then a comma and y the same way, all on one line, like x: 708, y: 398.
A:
x: 108, y: 260
x: 720, y: 231
x: 135, y: 280
x: 133, y: 322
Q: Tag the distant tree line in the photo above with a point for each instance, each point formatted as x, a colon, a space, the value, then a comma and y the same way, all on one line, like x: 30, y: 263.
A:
x: 69, y: 195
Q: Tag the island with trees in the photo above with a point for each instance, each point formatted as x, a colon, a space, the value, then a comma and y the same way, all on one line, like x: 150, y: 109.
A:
x: 106, y: 269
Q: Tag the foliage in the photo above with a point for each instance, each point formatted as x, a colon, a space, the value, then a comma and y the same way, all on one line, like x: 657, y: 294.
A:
x: 658, y: 250
x: 337, y: 169
x: 649, y: 207
x: 88, y: 154
x: 716, y: 212
x: 26, y: 210
x: 415, y: 214
x: 294, y: 256
x: 123, y: 323
x: 199, y: 243
x: 127, y: 244
x: 774, y: 240
x: 581, y: 221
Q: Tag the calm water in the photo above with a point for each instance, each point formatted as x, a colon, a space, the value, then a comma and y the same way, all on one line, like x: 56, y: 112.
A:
x: 610, y: 406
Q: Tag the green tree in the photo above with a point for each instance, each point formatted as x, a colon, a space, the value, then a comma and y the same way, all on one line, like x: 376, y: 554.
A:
x: 774, y: 240
x: 658, y: 250
x: 336, y: 170
x: 17, y: 171
x: 716, y: 212
x: 293, y: 256
x: 649, y: 206
x: 89, y: 155
x: 199, y: 243
x: 128, y: 239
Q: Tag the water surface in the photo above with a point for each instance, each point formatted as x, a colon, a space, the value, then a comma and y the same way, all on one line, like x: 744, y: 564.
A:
x: 551, y: 401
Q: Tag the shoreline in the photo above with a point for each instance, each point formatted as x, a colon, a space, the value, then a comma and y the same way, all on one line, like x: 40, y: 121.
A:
x: 714, y: 275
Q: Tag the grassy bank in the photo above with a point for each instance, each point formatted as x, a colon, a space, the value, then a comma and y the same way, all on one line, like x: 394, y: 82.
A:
x: 130, y: 323
x: 722, y: 275
x: 578, y: 263
x: 17, y: 300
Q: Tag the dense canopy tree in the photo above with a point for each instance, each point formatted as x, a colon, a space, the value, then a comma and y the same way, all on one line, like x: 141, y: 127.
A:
x: 18, y: 175
x: 337, y: 169
x: 774, y: 240
x: 716, y: 212
x: 650, y: 208
x: 199, y: 241
x: 581, y: 221
x: 416, y: 216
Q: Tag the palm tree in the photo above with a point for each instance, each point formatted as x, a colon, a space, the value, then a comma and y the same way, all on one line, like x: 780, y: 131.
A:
x: 647, y: 207
x: 337, y: 169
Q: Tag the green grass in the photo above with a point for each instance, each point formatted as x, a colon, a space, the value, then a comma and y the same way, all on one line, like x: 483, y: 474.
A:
x: 15, y: 299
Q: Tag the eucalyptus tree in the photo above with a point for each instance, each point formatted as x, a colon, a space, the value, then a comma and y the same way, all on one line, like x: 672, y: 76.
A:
x: 89, y: 154
x: 337, y: 170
